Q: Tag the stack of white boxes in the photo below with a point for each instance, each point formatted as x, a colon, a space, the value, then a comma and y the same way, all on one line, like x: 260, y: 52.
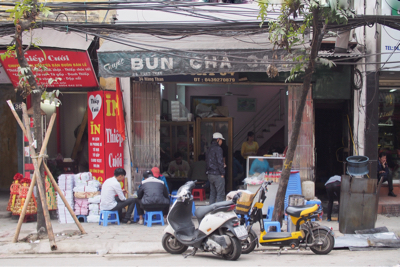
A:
x: 178, y: 111
x: 66, y: 184
x: 94, y: 209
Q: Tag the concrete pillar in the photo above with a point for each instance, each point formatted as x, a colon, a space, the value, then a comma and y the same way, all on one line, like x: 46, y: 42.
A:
x: 126, y: 94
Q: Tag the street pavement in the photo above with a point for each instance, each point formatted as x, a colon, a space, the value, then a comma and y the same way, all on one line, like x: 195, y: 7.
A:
x: 113, y: 239
x: 133, y: 239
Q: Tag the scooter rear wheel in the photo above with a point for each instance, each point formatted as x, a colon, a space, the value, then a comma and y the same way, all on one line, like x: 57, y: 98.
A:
x: 236, y: 249
x: 250, y: 243
x: 325, y: 238
x: 171, y: 245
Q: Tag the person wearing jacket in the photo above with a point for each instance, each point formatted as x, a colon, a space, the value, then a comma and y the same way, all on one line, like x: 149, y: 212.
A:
x: 215, y: 169
x: 152, y: 196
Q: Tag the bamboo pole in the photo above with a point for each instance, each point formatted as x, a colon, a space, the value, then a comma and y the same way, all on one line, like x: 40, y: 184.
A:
x: 27, y: 133
x: 29, y: 195
x: 60, y: 193
x: 39, y: 181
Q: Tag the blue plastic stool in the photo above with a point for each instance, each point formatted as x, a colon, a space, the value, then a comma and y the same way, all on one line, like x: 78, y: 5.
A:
x: 318, y: 202
x: 135, y: 215
x: 172, y: 197
x: 108, y: 216
x: 269, y: 214
x: 274, y: 223
x: 193, y: 208
x: 84, y: 217
x: 153, y: 217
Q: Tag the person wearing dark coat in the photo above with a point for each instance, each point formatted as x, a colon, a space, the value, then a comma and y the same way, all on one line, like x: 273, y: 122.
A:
x: 152, y: 196
x: 384, y: 173
x: 215, y: 169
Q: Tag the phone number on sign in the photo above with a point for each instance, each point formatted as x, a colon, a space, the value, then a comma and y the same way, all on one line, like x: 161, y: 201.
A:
x: 218, y: 80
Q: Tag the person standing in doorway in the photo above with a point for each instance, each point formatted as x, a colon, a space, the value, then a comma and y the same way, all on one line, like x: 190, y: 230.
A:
x: 384, y: 174
x: 215, y: 169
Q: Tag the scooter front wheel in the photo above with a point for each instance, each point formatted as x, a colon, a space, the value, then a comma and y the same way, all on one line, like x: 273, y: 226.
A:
x: 324, y: 242
x: 236, y: 250
x: 172, y: 245
x: 250, y: 243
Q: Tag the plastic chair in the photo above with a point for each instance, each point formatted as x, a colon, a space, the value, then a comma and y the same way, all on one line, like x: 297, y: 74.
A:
x: 269, y: 214
x: 246, y: 218
x: 153, y: 217
x: 83, y: 217
x: 135, y: 215
x: 108, y: 216
x: 267, y: 224
x: 293, y: 188
x: 199, y: 193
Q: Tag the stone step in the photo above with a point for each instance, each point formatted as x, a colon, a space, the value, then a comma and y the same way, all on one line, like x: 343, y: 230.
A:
x: 385, y: 189
x: 389, y: 205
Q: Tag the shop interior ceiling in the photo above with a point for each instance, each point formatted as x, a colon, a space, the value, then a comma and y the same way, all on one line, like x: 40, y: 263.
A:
x: 229, y: 93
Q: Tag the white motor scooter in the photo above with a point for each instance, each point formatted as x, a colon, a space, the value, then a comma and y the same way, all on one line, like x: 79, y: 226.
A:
x: 219, y: 228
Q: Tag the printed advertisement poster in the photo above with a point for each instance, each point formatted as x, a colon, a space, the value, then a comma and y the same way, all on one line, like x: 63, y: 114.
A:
x: 96, y: 135
x: 73, y: 67
x: 114, y: 147
x: 105, y: 143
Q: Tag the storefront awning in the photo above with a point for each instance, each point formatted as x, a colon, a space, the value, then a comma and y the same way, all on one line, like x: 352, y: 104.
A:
x: 135, y: 55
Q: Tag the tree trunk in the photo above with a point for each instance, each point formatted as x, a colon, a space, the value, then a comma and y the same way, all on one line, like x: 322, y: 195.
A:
x: 20, y: 27
x: 287, y: 166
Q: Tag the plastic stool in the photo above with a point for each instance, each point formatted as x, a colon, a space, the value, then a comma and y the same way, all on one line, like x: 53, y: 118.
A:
x: 84, y: 217
x: 108, y: 216
x: 153, y: 217
x: 269, y: 214
x: 172, y: 197
x: 135, y: 215
x: 274, y: 223
x: 199, y: 193
x: 193, y: 208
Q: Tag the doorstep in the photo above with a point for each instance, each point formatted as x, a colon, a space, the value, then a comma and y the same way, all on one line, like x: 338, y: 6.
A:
x: 385, y: 188
x: 389, y: 205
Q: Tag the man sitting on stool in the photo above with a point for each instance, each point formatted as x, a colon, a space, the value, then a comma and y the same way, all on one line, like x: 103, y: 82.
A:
x: 384, y: 174
x: 109, y: 201
x: 152, y: 196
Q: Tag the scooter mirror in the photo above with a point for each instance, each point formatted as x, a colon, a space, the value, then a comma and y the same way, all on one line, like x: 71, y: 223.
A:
x: 187, y: 188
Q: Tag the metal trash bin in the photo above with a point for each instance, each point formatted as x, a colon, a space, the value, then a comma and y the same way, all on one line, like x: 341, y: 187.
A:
x: 358, y: 204
x: 357, y: 165
x: 294, y: 200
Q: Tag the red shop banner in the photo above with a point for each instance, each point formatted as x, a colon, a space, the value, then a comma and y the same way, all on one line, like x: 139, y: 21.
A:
x: 105, y: 143
x: 73, y: 67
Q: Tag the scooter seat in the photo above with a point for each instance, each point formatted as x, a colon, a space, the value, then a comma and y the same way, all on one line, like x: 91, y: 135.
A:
x: 296, y: 210
x: 276, y: 235
x: 202, y: 211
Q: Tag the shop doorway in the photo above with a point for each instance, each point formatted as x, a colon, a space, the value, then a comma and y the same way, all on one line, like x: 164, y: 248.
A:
x: 331, y: 141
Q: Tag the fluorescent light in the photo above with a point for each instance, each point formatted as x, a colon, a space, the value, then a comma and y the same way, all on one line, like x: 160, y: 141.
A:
x: 392, y: 90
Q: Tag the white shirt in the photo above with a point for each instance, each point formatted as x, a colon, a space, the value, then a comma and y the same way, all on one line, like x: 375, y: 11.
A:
x: 110, y: 188
x: 334, y: 179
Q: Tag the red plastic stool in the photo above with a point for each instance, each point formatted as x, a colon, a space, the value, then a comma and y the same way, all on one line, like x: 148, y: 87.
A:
x: 199, y: 193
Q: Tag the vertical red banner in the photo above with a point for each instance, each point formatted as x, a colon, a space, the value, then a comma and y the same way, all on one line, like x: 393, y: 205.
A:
x: 106, y: 148
x: 114, y: 146
x: 96, y: 135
